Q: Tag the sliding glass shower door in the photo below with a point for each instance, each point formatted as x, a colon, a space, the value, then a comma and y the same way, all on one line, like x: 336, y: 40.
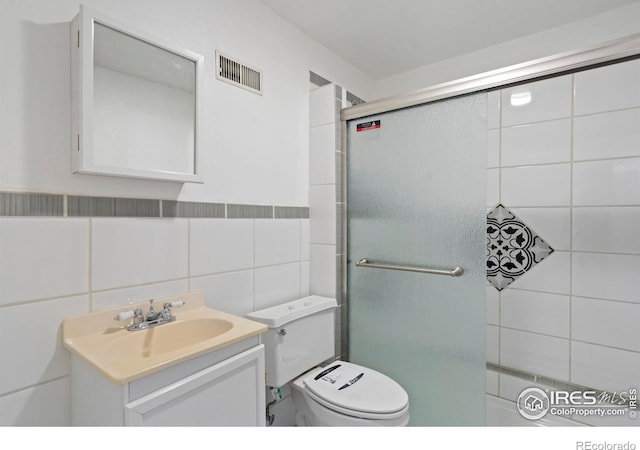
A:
x: 416, y: 200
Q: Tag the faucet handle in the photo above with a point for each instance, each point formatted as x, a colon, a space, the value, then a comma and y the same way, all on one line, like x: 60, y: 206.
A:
x: 124, y: 315
x: 175, y: 304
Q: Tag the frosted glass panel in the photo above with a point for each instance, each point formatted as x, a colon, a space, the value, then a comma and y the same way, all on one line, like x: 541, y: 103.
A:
x: 416, y: 197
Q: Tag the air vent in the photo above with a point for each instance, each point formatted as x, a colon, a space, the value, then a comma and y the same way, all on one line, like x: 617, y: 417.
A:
x: 238, y: 74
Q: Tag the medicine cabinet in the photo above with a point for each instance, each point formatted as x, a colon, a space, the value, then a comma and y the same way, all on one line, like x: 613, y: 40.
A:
x: 136, y: 102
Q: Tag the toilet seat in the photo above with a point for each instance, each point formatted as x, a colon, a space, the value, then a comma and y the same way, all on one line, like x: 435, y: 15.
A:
x: 356, y: 391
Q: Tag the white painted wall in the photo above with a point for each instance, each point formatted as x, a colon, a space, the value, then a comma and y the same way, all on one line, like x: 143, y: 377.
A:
x: 578, y: 35
x: 254, y: 148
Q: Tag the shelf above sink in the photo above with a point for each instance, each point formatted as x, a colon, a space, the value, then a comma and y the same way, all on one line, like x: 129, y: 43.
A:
x: 122, y: 355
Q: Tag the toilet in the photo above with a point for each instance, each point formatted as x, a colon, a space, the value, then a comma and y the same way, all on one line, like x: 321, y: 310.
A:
x: 301, y: 337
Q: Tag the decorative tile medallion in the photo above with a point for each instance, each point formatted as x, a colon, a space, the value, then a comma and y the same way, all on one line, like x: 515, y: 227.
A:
x: 512, y: 247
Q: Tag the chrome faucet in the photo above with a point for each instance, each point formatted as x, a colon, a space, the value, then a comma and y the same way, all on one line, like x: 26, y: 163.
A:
x: 152, y: 318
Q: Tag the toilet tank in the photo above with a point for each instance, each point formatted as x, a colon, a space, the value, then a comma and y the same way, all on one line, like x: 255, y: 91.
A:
x: 301, y: 335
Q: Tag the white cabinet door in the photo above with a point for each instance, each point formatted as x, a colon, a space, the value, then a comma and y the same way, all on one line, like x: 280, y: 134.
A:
x: 230, y: 393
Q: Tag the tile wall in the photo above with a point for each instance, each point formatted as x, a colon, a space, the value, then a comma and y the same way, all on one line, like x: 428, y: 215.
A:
x: 326, y: 202
x: 55, y: 267
x: 325, y: 156
x: 566, y: 161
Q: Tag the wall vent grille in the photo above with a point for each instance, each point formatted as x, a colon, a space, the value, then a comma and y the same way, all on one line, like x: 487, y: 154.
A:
x: 238, y: 74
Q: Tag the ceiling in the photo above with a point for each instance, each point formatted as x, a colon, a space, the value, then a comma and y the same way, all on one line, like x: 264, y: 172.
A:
x: 387, y: 37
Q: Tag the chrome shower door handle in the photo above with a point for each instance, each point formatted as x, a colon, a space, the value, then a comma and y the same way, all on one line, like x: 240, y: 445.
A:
x: 455, y: 272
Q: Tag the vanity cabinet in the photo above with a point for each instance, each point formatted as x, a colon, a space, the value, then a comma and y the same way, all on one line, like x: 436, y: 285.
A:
x: 222, y: 388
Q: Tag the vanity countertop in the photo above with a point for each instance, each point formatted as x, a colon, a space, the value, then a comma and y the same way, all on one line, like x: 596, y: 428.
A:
x: 122, y: 355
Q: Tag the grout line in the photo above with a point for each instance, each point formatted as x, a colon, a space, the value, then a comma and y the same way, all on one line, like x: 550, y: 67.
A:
x: 189, y: 254
x: 500, y: 128
x: 253, y: 266
x: 90, y: 265
x: 32, y: 386
x: 537, y: 333
x: 571, y: 195
x: 568, y: 161
x: 44, y: 299
x: 557, y: 119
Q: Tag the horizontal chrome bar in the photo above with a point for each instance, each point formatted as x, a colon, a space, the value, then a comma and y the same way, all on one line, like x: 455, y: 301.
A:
x: 569, y: 61
x: 455, y: 272
x: 559, y: 385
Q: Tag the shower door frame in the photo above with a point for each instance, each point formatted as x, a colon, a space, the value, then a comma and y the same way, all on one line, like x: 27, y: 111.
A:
x: 611, y: 52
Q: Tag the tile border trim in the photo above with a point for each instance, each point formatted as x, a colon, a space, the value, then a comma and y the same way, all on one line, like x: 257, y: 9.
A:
x: 548, y: 381
x: 31, y: 204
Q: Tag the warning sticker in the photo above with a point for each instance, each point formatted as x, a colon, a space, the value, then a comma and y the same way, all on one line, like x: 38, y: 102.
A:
x: 368, y: 126
x: 342, y: 378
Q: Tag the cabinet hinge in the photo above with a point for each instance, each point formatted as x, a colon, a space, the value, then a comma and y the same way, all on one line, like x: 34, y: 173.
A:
x: 78, y: 143
x: 78, y: 38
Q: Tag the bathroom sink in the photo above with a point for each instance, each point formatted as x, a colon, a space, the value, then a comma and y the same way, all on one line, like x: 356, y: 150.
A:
x: 122, y: 355
x: 166, y: 338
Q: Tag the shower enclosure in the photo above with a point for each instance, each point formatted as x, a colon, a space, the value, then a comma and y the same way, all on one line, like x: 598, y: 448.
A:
x: 416, y: 204
x: 443, y: 252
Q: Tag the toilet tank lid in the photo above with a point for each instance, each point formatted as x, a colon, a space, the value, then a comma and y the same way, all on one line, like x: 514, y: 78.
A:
x: 279, y: 315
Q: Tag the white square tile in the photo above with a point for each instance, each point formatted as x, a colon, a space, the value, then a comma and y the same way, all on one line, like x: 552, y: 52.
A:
x: 127, y: 252
x: 45, y: 405
x: 492, y: 380
x: 493, y: 109
x: 43, y: 258
x: 606, y: 276
x: 305, y: 239
x: 537, y: 312
x: 551, y: 224
x: 323, y: 270
x: 221, y: 245
x: 538, y: 101
x: 607, y: 135
x: 607, y: 88
x: 493, y: 344
x: 606, y: 229
x: 322, y: 106
x: 322, y: 154
x: 547, y: 185
x: 493, y: 148
x: 124, y: 297
x: 604, y: 368
x: 36, y: 353
x: 618, y: 182
x: 538, y: 143
x: 277, y: 241
x: 493, y: 306
x: 305, y: 282
x: 493, y: 187
x: 511, y: 387
x: 276, y: 284
x: 614, y: 324
x: 322, y: 212
x: 535, y: 353
x: 551, y: 275
x: 231, y: 292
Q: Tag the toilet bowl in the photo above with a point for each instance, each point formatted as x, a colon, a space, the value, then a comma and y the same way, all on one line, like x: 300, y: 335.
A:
x: 300, y: 337
x: 347, y: 394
